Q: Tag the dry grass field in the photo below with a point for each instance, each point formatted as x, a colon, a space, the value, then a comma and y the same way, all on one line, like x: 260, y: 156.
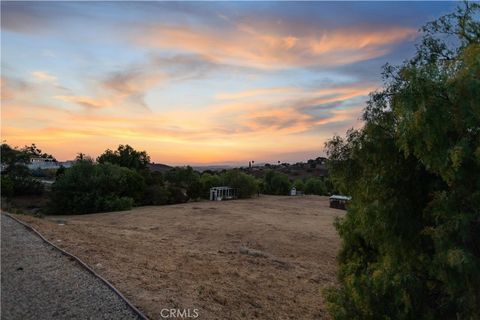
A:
x: 265, y: 258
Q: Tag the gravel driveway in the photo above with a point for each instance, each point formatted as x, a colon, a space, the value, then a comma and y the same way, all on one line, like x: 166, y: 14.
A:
x: 38, y: 282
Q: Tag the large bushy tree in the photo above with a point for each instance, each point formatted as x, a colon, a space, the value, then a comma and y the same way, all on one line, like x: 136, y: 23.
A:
x: 315, y: 186
x: 411, y: 236
x: 184, y: 178
x: 208, y: 181
x: 125, y: 156
x: 276, y: 183
x: 244, y: 184
x: 87, y: 187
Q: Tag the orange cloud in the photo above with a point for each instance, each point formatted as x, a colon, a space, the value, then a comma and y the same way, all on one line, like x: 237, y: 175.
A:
x: 250, y: 46
x: 330, y: 95
x: 120, y: 89
x: 44, y: 76
x: 277, y: 121
x: 301, y: 113
x: 288, y: 121
x: 87, y: 102
x: 257, y: 92
x: 132, y: 82
x: 7, y: 92
x: 13, y: 88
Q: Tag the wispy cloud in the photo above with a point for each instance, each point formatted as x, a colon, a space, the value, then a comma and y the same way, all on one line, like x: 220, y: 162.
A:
x: 248, y: 46
x: 257, y: 92
x: 12, y: 88
x: 132, y: 82
x: 302, y: 111
x: 87, y: 102
x: 44, y: 76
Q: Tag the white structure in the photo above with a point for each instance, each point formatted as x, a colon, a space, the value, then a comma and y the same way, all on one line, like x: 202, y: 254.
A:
x: 339, y: 201
x: 42, y: 163
x: 222, y: 193
x: 46, y: 163
x: 293, y: 191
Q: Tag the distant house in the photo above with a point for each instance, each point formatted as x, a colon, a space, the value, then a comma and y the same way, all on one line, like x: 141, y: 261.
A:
x: 43, y: 163
x: 47, y: 163
x: 339, y: 202
x: 222, y: 193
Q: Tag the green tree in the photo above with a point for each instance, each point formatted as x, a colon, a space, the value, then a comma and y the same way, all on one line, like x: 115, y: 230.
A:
x: 315, y: 186
x: 176, y: 195
x: 156, y: 194
x: 187, y: 179
x: 11, y: 156
x: 276, y: 183
x: 32, y: 151
x: 208, y: 181
x: 181, y: 176
x: 299, y: 184
x: 87, y: 187
x: 194, y: 189
x: 245, y: 184
x: 411, y: 245
x: 124, y: 156
x: 22, y: 181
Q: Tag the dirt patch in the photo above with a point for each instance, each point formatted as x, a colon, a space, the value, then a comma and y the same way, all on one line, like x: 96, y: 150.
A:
x: 266, y: 258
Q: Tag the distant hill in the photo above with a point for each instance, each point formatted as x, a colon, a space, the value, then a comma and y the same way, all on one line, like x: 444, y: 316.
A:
x: 212, y: 168
x: 159, y: 167
x: 300, y: 170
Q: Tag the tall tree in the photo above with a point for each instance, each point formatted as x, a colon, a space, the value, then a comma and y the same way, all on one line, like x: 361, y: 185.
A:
x: 411, y: 236
x: 125, y: 156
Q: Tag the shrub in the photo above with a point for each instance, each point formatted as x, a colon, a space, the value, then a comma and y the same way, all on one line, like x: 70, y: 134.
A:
x: 245, y: 184
x: 299, y: 185
x: 185, y: 178
x: 26, y: 185
x: 208, y: 181
x: 156, y: 194
x: 194, y: 189
x: 181, y: 176
x: 176, y: 195
x: 277, y: 183
x: 7, y: 188
x: 114, y: 203
x: 260, y: 185
x: 87, y: 188
x: 18, y: 182
x: 315, y: 186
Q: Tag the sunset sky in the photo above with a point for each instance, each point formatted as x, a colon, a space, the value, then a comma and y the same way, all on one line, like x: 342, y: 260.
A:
x: 197, y: 83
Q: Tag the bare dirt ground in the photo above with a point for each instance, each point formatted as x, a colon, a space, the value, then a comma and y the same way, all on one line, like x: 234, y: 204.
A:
x: 266, y: 258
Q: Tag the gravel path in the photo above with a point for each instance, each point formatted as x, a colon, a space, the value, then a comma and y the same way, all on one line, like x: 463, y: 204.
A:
x: 38, y: 282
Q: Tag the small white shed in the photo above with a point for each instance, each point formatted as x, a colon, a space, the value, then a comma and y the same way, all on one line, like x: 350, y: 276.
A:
x: 222, y: 193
